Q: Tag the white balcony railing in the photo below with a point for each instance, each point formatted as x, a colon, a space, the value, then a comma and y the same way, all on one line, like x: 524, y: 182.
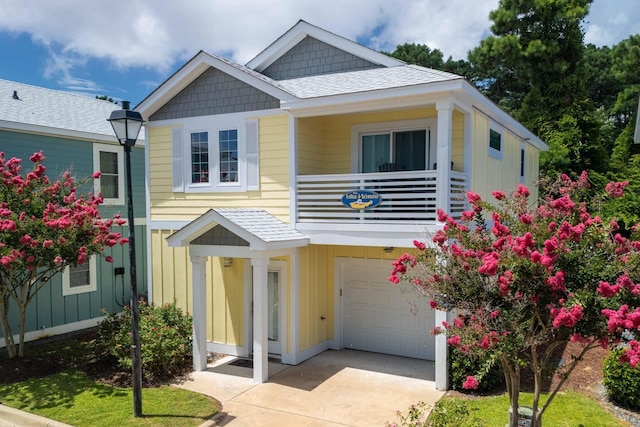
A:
x: 406, y: 197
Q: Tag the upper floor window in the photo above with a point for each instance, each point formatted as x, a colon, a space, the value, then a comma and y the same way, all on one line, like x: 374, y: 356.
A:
x: 218, y: 155
x: 108, y: 160
x: 495, y: 143
x: 80, y: 278
x: 228, y: 147
x: 199, y: 157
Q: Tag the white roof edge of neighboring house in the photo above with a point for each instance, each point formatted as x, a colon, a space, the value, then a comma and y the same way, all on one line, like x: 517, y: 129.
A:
x: 636, y: 134
x: 191, y: 70
x: 68, y: 133
x: 302, y: 29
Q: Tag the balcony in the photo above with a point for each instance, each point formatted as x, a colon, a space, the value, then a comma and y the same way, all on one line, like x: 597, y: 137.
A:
x: 407, y: 197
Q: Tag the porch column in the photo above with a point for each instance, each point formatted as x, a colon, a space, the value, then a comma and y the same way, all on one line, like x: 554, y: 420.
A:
x: 442, y: 363
x: 443, y: 174
x: 260, y: 320
x: 199, y: 273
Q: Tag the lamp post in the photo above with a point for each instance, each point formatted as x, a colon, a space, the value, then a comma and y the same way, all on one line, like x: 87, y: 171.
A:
x: 126, y: 125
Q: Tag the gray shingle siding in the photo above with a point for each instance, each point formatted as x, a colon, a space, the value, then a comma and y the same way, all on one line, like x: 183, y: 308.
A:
x: 219, y: 235
x: 312, y: 57
x: 215, y: 92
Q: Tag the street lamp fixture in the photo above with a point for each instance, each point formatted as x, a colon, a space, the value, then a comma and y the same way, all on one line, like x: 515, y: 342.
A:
x: 126, y: 125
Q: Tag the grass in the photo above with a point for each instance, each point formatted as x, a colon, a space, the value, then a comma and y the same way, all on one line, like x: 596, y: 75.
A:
x: 568, y: 409
x: 72, y: 398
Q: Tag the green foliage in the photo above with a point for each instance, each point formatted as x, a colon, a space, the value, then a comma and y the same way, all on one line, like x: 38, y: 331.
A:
x: 485, y: 367
x: 165, y: 336
x: 446, y: 413
x: 621, y: 381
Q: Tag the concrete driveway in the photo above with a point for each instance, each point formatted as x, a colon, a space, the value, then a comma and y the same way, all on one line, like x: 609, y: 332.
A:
x: 335, y: 388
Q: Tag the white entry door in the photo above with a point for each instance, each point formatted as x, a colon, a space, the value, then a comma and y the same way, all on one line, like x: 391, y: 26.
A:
x: 273, y: 311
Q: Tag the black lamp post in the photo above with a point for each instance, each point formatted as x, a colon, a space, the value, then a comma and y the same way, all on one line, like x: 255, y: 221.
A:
x: 126, y: 124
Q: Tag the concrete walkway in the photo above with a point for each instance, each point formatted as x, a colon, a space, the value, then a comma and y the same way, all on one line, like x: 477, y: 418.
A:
x: 335, y: 388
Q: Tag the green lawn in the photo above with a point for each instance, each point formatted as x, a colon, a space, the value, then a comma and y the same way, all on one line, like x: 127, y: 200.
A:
x: 71, y: 397
x: 568, y: 409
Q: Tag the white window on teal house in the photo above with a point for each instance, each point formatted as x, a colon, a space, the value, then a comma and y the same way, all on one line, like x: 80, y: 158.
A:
x: 228, y: 155
x: 199, y: 157
x: 398, y: 146
x: 108, y: 159
x: 80, y: 278
x: 495, y: 143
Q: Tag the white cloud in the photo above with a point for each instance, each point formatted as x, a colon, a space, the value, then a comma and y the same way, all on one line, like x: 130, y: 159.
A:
x: 157, y: 34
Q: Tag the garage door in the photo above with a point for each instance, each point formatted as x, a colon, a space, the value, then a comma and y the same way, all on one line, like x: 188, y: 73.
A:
x: 381, y: 317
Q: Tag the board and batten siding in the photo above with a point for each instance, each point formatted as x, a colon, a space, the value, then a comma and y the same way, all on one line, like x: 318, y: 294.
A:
x: 489, y: 173
x: 273, y: 195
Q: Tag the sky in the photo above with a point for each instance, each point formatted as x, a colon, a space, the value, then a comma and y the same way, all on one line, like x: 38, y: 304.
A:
x: 125, y: 49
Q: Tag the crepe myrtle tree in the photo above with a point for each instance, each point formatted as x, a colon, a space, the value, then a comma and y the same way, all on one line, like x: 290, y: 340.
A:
x: 44, y: 228
x: 525, y: 278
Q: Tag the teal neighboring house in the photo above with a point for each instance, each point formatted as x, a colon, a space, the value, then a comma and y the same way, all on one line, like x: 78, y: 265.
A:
x: 73, y: 133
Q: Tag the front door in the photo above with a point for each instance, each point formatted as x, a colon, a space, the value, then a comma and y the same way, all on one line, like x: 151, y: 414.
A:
x: 273, y: 308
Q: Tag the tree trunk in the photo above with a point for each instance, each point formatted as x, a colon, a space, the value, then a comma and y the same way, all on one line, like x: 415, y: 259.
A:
x: 512, y: 379
x: 23, y: 319
x: 6, y: 328
x: 537, y: 377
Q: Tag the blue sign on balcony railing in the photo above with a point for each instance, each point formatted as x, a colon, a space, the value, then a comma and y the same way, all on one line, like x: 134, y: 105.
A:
x: 361, y: 199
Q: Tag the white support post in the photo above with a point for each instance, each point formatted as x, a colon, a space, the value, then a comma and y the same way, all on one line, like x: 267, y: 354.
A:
x: 260, y: 320
x: 443, y: 174
x: 199, y: 270
x: 442, y: 362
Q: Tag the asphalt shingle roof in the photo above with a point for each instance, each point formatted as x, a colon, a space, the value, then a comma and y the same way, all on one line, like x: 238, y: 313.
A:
x: 261, y: 224
x: 55, y: 109
x: 364, y: 80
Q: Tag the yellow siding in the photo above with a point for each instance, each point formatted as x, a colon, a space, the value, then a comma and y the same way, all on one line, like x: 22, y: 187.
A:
x: 491, y: 174
x: 317, y: 265
x: 172, y: 280
x: 325, y: 143
x: 274, y: 177
x: 457, y: 141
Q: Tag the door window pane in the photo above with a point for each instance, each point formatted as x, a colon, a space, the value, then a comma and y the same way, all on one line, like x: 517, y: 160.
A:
x: 376, y: 150
x: 411, y: 150
x: 273, y: 301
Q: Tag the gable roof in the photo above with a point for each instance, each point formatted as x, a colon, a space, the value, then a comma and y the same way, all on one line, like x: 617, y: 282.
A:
x: 30, y: 108
x: 260, y: 229
x: 194, y: 68
x: 303, y: 29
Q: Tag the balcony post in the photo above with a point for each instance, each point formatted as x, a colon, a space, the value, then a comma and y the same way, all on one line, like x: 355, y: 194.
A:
x: 443, y: 174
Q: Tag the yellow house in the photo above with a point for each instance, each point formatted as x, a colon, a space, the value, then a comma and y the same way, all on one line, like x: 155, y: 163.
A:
x: 280, y: 191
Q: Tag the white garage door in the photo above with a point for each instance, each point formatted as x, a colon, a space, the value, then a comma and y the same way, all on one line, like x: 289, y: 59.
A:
x: 382, y: 317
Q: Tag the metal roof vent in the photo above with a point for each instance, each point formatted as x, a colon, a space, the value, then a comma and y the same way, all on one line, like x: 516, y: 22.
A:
x: 15, y: 95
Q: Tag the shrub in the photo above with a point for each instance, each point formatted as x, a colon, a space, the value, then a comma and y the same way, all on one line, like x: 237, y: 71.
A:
x: 621, y: 380
x: 165, y: 340
x: 446, y: 413
x: 485, y: 367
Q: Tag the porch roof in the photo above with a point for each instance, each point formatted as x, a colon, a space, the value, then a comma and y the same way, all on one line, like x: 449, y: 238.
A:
x: 261, y: 230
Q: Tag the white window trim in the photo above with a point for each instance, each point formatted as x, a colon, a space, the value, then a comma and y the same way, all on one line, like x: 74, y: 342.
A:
x: 97, y: 148
x: 496, y: 154
x: 214, y: 184
x: 93, y: 280
x: 357, y: 131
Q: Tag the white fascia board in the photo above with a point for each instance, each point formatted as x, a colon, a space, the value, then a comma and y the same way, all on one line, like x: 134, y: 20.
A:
x: 407, y: 96
x: 59, y: 132
x: 195, y: 228
x: 192, y: 70
x: 302, y: 29
x: 492, y: 110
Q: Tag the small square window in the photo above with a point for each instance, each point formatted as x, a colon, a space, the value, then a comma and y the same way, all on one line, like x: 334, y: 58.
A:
x: 77, y: 279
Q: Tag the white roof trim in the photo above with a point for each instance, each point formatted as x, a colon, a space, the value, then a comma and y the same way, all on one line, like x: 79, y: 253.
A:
x: 214, y: 217
x: 303, y: 29
x: 192, y: 70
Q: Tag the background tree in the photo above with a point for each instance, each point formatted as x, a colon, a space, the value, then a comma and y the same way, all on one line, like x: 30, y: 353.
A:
x: 531, y: 280
x: 44, y: 228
